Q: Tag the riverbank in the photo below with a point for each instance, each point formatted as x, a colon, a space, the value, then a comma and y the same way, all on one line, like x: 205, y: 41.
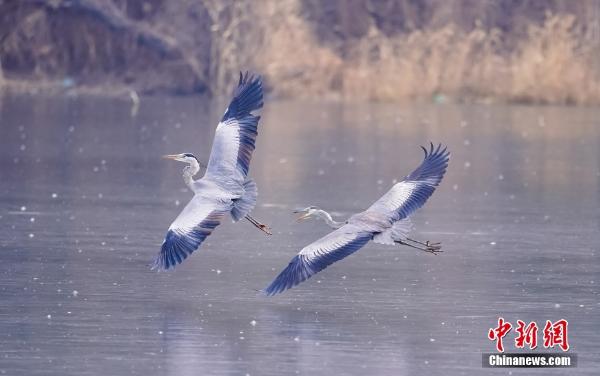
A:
x: 362, y: 50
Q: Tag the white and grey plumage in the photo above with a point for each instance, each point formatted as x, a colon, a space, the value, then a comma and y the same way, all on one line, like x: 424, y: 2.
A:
x: 386, y: 222
x: 224, y: 188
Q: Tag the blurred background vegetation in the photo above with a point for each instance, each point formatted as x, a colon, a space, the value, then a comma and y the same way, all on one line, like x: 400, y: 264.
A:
x: 527, y: 51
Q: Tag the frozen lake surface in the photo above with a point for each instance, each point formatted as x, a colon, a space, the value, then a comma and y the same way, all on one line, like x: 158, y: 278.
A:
x: 85, y: 201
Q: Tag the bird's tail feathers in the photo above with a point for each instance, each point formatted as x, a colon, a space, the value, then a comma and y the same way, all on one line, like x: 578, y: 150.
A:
x: 244, y: 205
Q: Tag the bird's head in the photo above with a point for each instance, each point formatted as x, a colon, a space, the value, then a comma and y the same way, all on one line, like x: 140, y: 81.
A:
x: 184, y: 157
x: 306, y: 212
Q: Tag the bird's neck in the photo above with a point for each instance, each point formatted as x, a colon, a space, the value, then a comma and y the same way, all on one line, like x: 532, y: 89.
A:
x: 327, y: 218
x: 188, y: 174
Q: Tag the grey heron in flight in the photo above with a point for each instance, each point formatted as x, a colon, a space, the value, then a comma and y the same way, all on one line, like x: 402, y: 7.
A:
x: 225, y: 187
x: 385, y: 222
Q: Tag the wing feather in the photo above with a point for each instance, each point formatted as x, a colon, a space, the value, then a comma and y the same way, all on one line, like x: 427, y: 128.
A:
x: 407, y: 196
x: 318, y: 256
x: 236, y: 134
x: 195, y: 223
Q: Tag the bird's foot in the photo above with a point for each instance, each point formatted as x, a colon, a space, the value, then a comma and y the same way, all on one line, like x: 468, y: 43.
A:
x: 433, y: 246
x: 262, y: 227
x: 433, y: 249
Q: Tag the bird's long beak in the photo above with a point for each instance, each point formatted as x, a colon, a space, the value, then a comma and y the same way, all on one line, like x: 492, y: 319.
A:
x: 303, y: 215
x: 171, y: 156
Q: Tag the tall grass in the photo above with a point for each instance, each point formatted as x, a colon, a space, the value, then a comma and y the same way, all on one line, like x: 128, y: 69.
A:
x: 554, y: 63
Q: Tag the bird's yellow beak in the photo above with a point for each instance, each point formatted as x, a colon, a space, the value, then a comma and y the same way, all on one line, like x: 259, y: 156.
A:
x: 171, y: 156
x: 302, y: 216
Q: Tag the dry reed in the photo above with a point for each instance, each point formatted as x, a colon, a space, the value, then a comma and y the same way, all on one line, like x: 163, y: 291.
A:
x: 554, y: 63
x: 557, y: 61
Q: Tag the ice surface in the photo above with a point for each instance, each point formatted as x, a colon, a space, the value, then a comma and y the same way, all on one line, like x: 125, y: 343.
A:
x: 519, y: 227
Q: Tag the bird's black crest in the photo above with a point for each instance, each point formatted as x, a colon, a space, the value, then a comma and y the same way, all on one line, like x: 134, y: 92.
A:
x: 190, y: 155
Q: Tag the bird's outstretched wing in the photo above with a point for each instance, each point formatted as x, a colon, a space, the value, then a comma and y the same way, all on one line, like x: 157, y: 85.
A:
x: 197, y: 220
x: 319, y: 255
x: 410, y: 194
x: 236, y: 133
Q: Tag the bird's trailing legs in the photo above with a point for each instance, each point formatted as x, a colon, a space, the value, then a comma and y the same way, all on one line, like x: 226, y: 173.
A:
x: 262, y: 227
x: 427, y: 246
x: 427, y: 243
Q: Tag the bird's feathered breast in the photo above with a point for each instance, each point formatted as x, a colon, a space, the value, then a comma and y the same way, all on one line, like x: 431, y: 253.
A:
x: 212, y: 190
x: 370, y: 221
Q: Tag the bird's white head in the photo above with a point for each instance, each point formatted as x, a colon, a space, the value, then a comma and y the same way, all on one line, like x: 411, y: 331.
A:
x: 306, y: 212
x: 183, y: 157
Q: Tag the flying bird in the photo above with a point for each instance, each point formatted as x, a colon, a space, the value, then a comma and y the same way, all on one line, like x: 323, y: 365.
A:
x: 225, y: 187
x: 385, y: 222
